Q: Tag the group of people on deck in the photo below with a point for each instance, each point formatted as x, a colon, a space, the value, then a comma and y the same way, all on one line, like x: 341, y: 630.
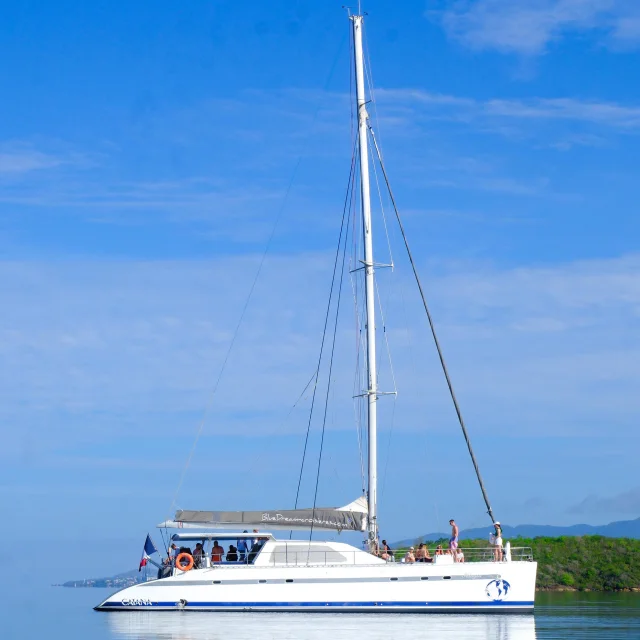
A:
x: 421, y: 554
x: 244, y: 551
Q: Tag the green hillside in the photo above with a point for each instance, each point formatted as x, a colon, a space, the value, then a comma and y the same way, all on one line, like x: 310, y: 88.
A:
x: 585, y: 563
x: 592, y: 563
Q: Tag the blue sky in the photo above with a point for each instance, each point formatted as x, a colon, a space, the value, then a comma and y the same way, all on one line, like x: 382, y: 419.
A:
x: 145, y: 154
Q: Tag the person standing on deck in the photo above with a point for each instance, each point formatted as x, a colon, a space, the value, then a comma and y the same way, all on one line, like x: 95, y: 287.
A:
x: 453, y: 541
x: 217, y: 552
x: 243, y: 548
x: 496, y: 540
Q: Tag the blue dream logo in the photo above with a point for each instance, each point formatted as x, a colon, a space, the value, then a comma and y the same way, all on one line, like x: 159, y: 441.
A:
x: 497, y: 589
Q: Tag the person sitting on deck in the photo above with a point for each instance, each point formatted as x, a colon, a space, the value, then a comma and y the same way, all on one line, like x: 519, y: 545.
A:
x: 459, y: 555
x: 409, y: 557
x: 439, y: 551
x: 217, y: 552
x: 232, y: 554
x: 165, y: 570
x: 421, y: 553
x: 173, y: 553
x: 385, y: 551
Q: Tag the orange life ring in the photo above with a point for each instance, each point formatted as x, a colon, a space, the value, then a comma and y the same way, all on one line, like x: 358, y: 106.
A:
x: 186, y: 567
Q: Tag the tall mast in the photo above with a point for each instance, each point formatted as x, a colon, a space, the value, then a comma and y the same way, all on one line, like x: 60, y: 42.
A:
x: 372, y: 387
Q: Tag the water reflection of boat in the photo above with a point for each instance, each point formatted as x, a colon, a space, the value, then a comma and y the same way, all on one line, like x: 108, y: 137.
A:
x: 143, y: 625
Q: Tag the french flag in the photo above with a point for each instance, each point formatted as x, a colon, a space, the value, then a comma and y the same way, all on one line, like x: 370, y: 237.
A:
x: 149, y: 549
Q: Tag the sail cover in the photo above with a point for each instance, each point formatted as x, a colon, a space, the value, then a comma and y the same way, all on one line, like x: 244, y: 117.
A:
x: 352, y: 517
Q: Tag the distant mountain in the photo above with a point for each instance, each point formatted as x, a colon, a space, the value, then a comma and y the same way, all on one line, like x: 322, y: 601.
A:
x: 621, y: 529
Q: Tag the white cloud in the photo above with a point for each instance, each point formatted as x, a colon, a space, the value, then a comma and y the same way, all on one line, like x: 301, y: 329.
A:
x: 606, y: 114
x: 134, y: 347
x: 528, y: 26
x: 15, y: 160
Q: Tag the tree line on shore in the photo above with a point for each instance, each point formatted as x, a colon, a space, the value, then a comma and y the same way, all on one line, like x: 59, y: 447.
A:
x: 582, y: 563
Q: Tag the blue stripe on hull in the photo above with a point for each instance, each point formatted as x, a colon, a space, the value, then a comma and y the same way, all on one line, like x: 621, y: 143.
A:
x: 320, y: 605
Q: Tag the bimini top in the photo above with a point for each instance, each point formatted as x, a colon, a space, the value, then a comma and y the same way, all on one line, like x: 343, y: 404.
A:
x: 352, y: 517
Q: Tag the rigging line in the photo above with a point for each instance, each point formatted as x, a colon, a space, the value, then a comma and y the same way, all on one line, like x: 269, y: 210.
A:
x: 251, y: 290
x: 164, y: 542
x: 351, y: 82
x: 386, y: 463
x: 226, y: 358
x: 433, y: 331
x: 386, y: 339
x: 326, y: 321
x: 384, y: 217
x: 357, y: 385
x: 326, y: 401
x: 282, y: 424
x: 395, y: 387
x: 369, y: 76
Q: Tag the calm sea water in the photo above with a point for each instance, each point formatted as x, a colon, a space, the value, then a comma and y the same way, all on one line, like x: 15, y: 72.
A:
x: 54, y: 612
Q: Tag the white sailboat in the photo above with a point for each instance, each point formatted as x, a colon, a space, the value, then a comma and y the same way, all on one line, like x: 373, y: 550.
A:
x: 328, y: 576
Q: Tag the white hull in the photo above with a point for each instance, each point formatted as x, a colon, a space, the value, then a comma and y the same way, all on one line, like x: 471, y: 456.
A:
x: 388, y: 588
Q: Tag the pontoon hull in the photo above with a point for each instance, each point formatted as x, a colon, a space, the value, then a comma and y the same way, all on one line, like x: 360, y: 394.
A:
x: 477, y: 587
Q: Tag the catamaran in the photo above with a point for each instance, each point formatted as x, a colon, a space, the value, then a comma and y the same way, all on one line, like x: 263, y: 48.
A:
x: 265, y: 573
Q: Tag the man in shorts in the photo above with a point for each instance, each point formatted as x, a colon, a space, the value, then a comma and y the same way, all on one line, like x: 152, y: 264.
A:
x: 453, y: 541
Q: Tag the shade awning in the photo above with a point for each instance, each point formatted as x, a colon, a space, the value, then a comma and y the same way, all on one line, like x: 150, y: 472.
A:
x: 352, y: 517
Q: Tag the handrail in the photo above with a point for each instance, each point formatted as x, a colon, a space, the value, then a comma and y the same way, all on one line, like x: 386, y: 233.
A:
x: 303, y: 557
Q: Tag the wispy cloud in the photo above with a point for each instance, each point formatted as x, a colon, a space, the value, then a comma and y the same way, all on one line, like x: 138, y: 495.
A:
x: 609, y: 114
x: 135, y: 347
x: 527, y: 27
x: 18, y: 159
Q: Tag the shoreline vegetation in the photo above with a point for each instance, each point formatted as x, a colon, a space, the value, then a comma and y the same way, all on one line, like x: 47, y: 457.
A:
x: 571, y: 563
